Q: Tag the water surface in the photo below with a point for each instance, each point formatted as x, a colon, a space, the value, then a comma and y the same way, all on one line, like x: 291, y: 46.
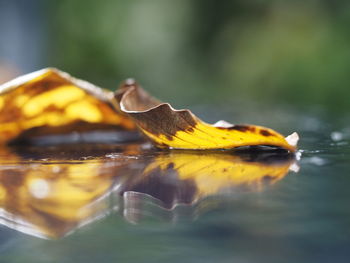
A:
x: 133, y: 203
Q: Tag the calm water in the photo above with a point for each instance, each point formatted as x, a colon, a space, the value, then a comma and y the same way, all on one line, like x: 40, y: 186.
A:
x: 131, y: 203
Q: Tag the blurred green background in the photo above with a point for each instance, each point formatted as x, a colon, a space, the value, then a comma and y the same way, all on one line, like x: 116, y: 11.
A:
x: 191, y: 52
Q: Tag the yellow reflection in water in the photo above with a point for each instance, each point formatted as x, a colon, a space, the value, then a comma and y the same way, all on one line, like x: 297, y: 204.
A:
x: 50, y: 200
x: 213, y: 173
x: 52, y: 197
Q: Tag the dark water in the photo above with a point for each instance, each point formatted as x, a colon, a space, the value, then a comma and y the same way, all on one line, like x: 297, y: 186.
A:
x: 131, y: 203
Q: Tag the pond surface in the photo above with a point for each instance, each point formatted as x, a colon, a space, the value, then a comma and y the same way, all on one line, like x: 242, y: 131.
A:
x: 132, y: 203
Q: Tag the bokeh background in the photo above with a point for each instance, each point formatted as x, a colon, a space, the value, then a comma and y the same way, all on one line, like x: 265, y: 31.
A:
x: 283, y: 64
x: 232, y: 54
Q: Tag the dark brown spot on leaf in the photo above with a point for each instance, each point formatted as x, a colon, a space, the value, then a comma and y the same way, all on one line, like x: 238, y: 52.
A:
x: 265, y: 133
x: 170, y: 138
x: 241, y: 128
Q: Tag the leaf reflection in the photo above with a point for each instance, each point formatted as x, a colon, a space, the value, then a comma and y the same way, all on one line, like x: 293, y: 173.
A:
x: 49, y: 192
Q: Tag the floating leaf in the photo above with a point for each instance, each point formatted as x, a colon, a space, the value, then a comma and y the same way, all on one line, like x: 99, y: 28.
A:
x: 52, y: 102
x: 49, y: 101
x: 181, y: 129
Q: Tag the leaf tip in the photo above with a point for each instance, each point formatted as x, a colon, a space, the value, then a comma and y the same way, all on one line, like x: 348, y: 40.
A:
x: 293, y: 139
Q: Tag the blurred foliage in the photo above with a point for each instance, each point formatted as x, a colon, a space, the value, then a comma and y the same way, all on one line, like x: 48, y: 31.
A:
x: 202, y: 51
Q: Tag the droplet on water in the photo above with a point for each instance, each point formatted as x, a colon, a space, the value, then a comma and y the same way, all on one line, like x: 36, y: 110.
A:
x: 337, y: 136
x: 317, y: 161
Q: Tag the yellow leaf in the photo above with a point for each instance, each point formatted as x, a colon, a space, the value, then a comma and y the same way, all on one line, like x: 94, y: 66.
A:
x: 52, y: 102
x: 181, y: 129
